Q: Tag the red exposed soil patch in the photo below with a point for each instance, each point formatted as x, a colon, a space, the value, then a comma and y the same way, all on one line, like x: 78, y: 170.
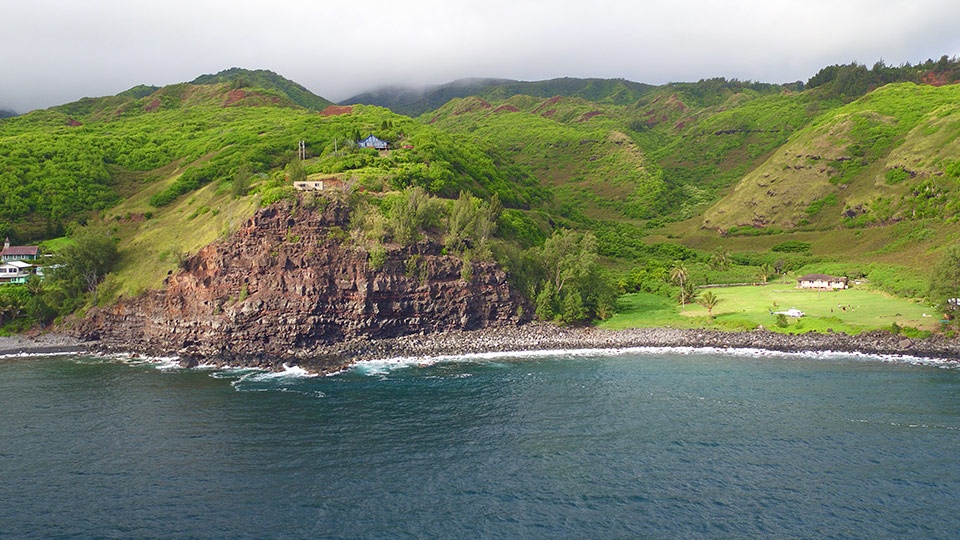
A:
x: 152, y: 106
x: 547, y: 103
x: 73, y: 123
x: 506, y: 108
x: 589, y: 115
x: 674, y: 101
x: 935, y: 79
x: 234, y: 96
x: 549, y: 113
x: 336, y: 110
x: 472, y: 105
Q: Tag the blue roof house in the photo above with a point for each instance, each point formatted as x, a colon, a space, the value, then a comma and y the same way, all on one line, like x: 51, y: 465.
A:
x: 373, y: 142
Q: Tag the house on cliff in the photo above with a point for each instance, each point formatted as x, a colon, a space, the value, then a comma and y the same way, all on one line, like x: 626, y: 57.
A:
x: 319, y: 185
x: 373, y: 142
x: 821, y: 282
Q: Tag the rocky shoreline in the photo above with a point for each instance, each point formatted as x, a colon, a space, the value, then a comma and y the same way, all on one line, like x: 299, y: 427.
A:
x: 538, y: 337
x: 526, y: 338
x: 46, y: 343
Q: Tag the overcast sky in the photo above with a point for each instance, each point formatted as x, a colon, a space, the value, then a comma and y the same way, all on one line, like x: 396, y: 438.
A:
x: 57, y: 51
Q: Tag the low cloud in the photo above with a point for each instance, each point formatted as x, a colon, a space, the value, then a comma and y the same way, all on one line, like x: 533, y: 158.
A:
x: 60, y: 51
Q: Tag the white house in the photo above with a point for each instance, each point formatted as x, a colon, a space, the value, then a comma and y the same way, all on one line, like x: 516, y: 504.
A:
x: 15, y: 272
x: 821, y: 282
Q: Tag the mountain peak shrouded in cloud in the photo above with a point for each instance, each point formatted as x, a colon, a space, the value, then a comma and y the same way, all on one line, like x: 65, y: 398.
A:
x: 62, y: 51
x: 414, y: 101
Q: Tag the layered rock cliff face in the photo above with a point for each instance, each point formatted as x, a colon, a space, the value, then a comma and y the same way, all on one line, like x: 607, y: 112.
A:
x: 288, y: 286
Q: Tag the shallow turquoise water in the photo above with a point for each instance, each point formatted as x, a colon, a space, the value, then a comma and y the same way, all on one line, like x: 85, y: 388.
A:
x: 638, y: 444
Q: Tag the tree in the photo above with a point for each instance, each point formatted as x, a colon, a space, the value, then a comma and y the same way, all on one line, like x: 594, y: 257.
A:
x: 81, y: 266
x: 944, y: 285
x: 709, y: 301
x: 413, y: 212
x: 13, y: 302
x: 764, y: 272
x: 720, y: 260
x: 295, y: 171
x: 688, y: 293
x: 680, y: 275
x: 241, y: 182
x: 573, y: 288
x: 471, y: 224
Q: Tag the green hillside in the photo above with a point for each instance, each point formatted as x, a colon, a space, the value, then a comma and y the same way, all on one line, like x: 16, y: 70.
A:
x: 732, y: 181
x: 889, y: 156
x: 62, y: 164
x: 262, y: 78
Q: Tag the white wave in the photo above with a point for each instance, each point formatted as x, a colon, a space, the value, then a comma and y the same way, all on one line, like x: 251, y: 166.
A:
x: 385, y: 366
x: 234, y: 372
x: 288, y: 372
x: 162, y: 363
x: 38, y: 354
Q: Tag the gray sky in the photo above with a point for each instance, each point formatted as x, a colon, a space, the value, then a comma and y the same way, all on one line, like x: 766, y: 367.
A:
x: 57, y: 51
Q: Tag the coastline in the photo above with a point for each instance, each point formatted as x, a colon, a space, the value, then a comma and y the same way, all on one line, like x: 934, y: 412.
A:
x: 48, y: 343
x: 520, y: 338
x: 542, y: 337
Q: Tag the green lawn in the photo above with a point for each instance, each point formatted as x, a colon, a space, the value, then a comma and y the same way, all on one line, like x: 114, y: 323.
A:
x: 742, y: 308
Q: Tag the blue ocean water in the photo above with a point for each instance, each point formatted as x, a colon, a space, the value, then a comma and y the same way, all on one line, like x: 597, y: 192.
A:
x: 643, y: 443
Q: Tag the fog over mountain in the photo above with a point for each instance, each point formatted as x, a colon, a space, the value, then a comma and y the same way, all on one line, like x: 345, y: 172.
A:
x: 57, y: 51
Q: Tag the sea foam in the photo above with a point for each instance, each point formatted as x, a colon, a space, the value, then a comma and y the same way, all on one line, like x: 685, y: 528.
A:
x: 385, y: 366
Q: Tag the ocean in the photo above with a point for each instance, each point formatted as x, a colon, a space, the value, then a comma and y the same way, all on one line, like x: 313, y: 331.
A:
x: 663, y: 443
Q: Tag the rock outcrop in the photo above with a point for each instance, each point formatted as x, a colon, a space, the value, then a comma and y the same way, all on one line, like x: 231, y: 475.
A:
x: 287, y: 286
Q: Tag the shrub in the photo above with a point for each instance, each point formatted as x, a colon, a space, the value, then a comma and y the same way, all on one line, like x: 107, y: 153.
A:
x: 791, y: 246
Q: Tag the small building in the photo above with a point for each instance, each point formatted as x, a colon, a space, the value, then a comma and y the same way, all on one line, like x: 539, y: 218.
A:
x: 821, y: 282
x: 373, y: 142
x: 16, y: 272
x: 318, y: 185
x: 18, y: 253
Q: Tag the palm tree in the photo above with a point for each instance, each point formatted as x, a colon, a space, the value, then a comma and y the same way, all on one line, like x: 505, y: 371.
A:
x: 34, y: 285
x: 720, y: 260
x: 764, y: 272
x: 679, y: 275
x: 709, y: 301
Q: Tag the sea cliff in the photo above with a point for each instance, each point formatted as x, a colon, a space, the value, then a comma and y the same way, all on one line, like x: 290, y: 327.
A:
x: 289, y: 285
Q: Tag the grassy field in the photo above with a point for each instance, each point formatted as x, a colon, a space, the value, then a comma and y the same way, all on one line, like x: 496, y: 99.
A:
x: 742, y: 308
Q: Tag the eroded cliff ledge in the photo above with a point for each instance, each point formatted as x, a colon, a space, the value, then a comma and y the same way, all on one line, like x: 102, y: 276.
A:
x: 287, y: 286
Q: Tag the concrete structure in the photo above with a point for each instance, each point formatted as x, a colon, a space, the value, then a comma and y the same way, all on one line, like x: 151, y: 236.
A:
x: 318, y: 185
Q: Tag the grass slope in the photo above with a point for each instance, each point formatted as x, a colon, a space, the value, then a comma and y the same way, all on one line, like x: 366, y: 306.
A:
x: 576, y: 147
x: 888, y: 156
